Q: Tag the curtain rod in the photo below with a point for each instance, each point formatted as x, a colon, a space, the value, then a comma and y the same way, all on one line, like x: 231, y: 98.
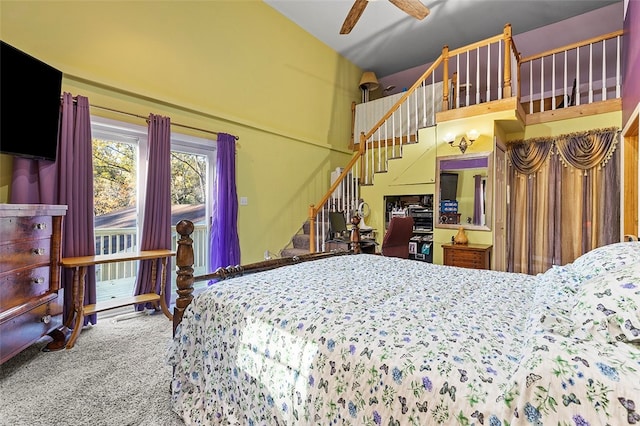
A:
x: 146, y: 118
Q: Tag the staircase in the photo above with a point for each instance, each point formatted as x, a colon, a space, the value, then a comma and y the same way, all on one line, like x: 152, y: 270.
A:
x: 299, y: 243
x: 416, y: 108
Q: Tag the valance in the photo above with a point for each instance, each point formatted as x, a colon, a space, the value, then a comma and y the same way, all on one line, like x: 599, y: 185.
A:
x: 528, y: 156
x: 581, y: 150
x: 586, y: 150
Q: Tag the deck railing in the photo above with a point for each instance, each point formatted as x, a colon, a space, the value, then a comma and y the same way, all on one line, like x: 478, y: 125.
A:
x: 122, y: 240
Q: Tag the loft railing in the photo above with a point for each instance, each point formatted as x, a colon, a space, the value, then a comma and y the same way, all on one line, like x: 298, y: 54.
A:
x: 577, y: 74
x: 415, y: 109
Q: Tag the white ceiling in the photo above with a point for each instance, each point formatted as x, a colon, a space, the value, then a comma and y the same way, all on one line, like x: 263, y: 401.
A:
x: 386, y: 40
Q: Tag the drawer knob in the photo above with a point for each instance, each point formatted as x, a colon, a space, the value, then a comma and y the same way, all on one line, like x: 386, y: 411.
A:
x: 38, y: 251
x: 38, y: 280
x: 39, y: 226
x: 46, y: 319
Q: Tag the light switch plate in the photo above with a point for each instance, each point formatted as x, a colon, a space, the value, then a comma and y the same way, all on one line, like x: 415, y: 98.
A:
x: 244, y: 201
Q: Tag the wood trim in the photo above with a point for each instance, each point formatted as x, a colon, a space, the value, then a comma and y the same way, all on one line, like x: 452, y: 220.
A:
x: 584, y: 110
x: 507, y: 104
x: 72, y: 262
x: 630, y: 175
x: 482, y: 43
x: 123, y: 301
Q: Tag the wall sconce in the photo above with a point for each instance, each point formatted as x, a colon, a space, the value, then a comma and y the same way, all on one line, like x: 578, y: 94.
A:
x: 368, y: 82
x: 465, y: 141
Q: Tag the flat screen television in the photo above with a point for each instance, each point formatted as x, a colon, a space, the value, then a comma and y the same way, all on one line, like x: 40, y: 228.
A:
x: 29, y: 105
x: 448, y: 186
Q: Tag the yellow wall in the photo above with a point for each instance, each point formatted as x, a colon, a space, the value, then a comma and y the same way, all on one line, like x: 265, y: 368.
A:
x: 418, y: 161
x: 556, y: 128
x: 235, y: 67
x: 408, y: 175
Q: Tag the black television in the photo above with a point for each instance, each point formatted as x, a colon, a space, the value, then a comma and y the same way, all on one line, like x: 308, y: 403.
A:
x: 29, y: 105
x: 448, y: 186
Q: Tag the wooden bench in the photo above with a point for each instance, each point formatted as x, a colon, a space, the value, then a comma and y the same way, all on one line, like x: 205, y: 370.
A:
x: 80, y: 265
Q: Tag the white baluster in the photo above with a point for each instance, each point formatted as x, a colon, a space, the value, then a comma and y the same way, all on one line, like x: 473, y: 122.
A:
x: 565, y: 102
x: 488, y: 72
x: 577, y: 75
x: 393, y: 132
x: 432, y: 116
x: 379, y: 150
x: 617, y: 67
x: 542, y: 84
x: 530, y: 87
x: 500, y: 70
x: 604, y: 71
x: 590, y: 73
x: 478, y: 75
x: 457, y: 88
x: 553, y: 81
x: 466, y: 83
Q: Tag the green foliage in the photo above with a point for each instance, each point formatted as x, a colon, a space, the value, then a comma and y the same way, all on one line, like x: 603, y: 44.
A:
x: 188, y: 178
x: 115, y: 175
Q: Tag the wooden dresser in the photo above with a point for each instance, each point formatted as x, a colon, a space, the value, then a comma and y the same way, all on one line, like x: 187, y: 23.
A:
x: 30, y: 297
x: 475, y: 256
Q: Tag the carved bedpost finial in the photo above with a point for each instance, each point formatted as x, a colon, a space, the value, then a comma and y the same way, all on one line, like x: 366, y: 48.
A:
x: 184, y: 263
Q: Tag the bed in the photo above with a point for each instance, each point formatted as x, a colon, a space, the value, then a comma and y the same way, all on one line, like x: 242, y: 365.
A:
x: 370, y: 340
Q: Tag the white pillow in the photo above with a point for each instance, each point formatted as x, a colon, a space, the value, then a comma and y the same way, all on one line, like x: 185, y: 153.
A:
x: 606, y: 259
x: 608, y: 305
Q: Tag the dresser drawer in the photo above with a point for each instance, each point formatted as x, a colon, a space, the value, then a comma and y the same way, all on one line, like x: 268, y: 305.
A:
x: 21, y: 331
x: 23, y: 227
x: 24, y: 254
x: 468, y: 256
x: 475, y: 256
x: 19, y: 287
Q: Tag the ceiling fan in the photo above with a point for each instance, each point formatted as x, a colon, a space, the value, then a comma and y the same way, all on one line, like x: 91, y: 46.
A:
x: 412, y: 7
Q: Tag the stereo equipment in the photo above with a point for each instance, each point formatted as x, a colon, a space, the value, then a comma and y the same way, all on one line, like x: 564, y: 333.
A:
x: 422, y: 218
x: 450, y: 218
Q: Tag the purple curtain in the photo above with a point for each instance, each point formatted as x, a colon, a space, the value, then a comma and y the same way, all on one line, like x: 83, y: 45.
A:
x: 67, y: 181
x: 478, y: 200
x: 225, y: 245
x: 156, y: 224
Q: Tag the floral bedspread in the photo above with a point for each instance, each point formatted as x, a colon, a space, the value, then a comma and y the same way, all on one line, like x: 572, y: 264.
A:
x: 369, y: 340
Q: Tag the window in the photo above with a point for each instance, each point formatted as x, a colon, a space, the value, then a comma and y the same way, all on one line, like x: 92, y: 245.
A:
x: 119, y: 152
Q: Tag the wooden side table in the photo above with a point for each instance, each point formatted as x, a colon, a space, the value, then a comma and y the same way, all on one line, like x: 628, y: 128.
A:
x: 80, y: 265
x: 474, y: 256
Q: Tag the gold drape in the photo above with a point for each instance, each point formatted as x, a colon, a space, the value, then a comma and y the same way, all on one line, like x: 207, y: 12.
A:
x: 558, y: 211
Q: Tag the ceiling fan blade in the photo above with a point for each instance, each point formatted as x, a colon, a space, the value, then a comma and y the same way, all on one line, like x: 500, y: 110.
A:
x: 414, y: 8
x: 353, y: 16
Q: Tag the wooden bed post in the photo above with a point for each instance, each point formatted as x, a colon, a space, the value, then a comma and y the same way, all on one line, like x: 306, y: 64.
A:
x: 184, y: 262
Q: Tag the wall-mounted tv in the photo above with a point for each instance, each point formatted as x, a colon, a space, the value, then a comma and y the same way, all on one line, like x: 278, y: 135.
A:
x: 29, y: 105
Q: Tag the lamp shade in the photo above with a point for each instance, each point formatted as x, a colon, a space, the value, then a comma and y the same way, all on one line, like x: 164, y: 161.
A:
x: 369, y: 81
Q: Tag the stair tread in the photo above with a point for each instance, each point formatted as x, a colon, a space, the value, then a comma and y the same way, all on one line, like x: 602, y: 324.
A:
x: 290, y: 252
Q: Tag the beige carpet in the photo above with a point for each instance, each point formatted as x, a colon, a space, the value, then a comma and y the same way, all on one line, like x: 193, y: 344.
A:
x: 115, y: 375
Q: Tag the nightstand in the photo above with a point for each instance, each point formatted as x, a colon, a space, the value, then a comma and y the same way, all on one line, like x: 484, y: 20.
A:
x: 474, y: 256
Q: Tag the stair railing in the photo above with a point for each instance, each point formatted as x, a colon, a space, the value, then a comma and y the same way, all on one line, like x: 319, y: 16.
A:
x: 416, y: 108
